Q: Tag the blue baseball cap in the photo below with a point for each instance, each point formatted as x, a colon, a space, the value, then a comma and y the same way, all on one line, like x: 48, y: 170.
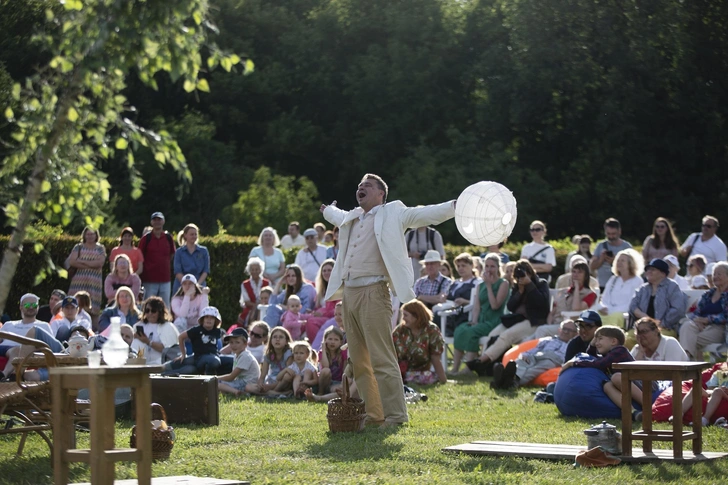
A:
x: 589, y: 316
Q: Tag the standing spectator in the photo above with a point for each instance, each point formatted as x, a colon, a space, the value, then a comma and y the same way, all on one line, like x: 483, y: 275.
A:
x: 705, y: 242
x: 496, y: 248
x: 121, y: 275
x: 311, y: 256
x: 333, y: 251
x: 541, y: 255
x: 274, y: 263
x: 250, y: 289
x: 46, y: 312
x: 583, y: 248
x: 158, y: 249
x: 419, y: 241
x: 88, y: 258
x: 190, y: 258
x: 432, y: 288
x: 661, y: 242
x: 605, y: 251
x: 126, y: 246
x: 660, y: 298
x: 674, y: 264
x: 620, y: 288
x: 707, y: 323
x: 293, y: 239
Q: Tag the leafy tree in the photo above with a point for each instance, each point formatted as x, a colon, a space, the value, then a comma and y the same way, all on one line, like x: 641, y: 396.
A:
x: 273, y: 200
x: 70, y: 114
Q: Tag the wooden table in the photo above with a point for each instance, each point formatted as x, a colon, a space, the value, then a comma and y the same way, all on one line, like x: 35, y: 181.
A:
x: 649, y: 371
x: 102, y: 383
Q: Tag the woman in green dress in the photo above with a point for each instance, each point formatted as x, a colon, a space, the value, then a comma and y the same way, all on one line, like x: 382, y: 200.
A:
x: 489, y: 306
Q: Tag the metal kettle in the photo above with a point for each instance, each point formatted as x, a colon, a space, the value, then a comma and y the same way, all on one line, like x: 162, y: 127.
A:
x: 606, y: 436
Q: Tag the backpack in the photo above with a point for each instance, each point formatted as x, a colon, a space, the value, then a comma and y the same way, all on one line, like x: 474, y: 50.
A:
x: 430, y: 235
x: 148, y: 237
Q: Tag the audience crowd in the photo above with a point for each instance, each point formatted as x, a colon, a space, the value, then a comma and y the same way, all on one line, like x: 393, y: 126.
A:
x: 613, y: 304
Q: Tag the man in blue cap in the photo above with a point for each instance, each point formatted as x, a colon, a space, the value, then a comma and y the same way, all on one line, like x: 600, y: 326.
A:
x: 587, y: 325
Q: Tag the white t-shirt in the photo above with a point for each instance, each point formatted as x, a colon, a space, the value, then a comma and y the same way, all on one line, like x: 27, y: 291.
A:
x: 166, y: 333
x: 682, y: 282
x: 547, y: 256
x: 713, y: 249
x: 287, y: 242
x: 19, y: 328
x: 63, y: 322
x: 299, y: 372
x: 668, y: 349
x: 257, y: 352
x: 248, y: 365
x: 618, y: 293
x: 310, y: 262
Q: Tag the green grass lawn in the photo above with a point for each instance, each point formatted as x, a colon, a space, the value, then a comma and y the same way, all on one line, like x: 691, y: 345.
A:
x: 286, y: 441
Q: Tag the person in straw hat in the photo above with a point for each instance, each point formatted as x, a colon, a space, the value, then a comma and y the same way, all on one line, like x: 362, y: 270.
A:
x: 432, y: 288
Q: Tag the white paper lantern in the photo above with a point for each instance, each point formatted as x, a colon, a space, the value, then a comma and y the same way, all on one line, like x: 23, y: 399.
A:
x: 485, y: 213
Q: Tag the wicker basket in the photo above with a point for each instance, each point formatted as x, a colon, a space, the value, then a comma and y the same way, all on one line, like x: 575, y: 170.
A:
x: 346, y: 414
x: 162, y: 439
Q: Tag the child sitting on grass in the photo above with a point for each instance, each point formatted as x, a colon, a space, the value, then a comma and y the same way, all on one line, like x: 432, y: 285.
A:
x: 609, y: 342
x: 303, y: 369
x: 278, y: 355
x: 246, y: 370
x: 332, y: 361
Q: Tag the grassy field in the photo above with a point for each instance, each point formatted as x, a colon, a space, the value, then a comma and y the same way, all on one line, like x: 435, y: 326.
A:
x: 286, y: 441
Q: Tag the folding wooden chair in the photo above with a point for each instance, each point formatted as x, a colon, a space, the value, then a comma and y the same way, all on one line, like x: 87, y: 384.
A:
x: 25, y: 406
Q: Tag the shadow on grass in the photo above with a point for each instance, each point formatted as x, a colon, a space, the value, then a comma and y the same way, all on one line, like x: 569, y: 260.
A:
x: 27, y: 469
x: 369, y: 444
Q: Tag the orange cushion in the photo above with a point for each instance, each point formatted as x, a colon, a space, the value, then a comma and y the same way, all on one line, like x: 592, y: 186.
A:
x: 518, y: 350
x: 547, y: 377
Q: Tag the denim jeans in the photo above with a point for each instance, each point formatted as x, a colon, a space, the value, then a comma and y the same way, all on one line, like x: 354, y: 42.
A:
x: 158, y: 289
x: 206, y: 364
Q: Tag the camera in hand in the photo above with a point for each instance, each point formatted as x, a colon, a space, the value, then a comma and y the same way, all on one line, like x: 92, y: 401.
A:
x: 609, y: 253
x: 519, y: 272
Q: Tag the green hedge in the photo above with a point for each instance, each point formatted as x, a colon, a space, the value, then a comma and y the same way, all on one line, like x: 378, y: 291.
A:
x: 228, y: 255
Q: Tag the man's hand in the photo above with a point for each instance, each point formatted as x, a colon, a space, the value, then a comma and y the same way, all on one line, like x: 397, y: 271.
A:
x: 324, y: 206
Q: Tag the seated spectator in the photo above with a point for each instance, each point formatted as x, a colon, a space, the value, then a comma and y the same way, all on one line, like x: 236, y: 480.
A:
x: 310, y: 257
x: 120, y: 276
x: 419, y: 345
x: 84, y: 307
x: 124, y: 306
x: 205, y: 358
x: 292, y: 319
x: 258, y: 339
x: 605, y: 251
x: 28, y: 311
x: 446, y: 269
x: 547, y: 354
x: 155, y: 334
x: 716, y: 392
x: 529, y: 306
x: 564, y: 281
x: 61, y: 329
x: 660, y: 298
x: 332, y: 322
x: 705, y: 242
x: 274, y: 263
x: 433, y: 287
x: 278, y: 356
x: 651, y: 346
x: 126, y: 246
x: 328, y: 239
x: 508, y: 271
x: 696, y: 272
x: 188, y: 302
x: 190, y: 258
x: 540, y: 254
x: 661, y: 242
x: 320, y: 229
x: 333, y: 251
x: 587, y: 324
x: 332, y: 361
x: 621, y: 287
x: 707, y: 324
x: 674, y: 265
x: 609, y: 342
x: 583, y: 248
x: 250, y: 289
x: 246, y: 369
x: 489, y: 305
x: 323, y: 310
x: 460, y: 291
x: 46, y: 312
x: 263, y: 302
x: 291, y: 284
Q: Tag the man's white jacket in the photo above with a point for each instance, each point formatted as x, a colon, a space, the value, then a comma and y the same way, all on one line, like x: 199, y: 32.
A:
x: 390, y: 223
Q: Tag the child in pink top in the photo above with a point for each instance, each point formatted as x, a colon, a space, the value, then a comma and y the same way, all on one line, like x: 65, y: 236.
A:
x: 292, y: 319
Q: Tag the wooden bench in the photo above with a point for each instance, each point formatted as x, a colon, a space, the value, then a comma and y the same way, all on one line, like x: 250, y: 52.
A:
x: 648, y: 371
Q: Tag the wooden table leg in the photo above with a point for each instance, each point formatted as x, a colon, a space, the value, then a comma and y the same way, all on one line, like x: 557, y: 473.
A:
x: 647, y: 413
x: 626, y: 414
x: 677, y: 416
x: 102, y: 430
x: 62, y: 413
x: 144, y: 429
x: 697, y: 413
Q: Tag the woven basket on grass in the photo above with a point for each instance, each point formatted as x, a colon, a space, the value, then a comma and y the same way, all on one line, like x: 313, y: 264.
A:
x: 162, y: 439
x: 346, y: 413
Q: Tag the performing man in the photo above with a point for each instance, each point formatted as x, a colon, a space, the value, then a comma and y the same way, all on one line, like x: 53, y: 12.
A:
x: 372, y: 258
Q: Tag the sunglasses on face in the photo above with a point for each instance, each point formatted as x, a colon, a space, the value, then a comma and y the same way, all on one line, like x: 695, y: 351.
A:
x: 30, y: 305
x: 708, y: 226
x: 150, y: 310
x: 256, y: 335
x: 536, y: 229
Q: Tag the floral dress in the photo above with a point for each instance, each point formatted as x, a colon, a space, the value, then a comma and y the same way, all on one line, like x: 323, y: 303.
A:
x: 415, y: 353
x: 87, y: 279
